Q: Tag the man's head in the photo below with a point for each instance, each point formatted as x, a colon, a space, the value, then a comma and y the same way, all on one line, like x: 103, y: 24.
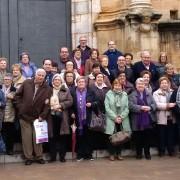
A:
x: 96, y: 68
x: 40, y: 76
x: 146, y: 57
x: 8, y: 79
x: 111, y: 45
x: 47, y: 64
x: 64, y: 53
x: 83, y: 41
x: 3, y: 64
x: 121, y: 61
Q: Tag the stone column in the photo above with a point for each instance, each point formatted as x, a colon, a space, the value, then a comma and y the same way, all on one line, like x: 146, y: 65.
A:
x: 141, y: 28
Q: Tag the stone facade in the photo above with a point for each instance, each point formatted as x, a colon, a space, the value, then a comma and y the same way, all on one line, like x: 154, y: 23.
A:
x: 133, y: 24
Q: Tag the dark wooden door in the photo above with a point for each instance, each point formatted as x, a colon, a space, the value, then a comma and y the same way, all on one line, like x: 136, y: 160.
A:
x: 37, y: 26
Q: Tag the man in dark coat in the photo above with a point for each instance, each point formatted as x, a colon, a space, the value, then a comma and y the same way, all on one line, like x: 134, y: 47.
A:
x: 145, y: 64
x: 113, y: 55
x: 32, y: 102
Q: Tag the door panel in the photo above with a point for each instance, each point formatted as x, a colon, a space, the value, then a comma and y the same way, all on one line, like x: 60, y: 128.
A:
x: 40, y: 27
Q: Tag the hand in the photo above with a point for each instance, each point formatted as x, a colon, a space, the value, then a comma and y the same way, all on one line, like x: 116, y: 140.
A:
x: 170, y: 105
x: 40, y: 119
x: 88, y: 104
x: 145, y: 108
x: 10, y: 96
x: 73, y: 116
x: 118, y: 120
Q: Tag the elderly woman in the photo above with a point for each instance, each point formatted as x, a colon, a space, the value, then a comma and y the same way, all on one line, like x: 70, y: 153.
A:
x: 172, y: 76
x: 146, y: 75
x: 94, y: 57
x: 165, y: 119
x: 60, y: 102
x: 18, y: 78
x: 9, y: 113
x: 99, y: 89
x: 69, y: 67
x: 104, y: 60
x: 117, y: 111
x: 81, y: 112
x: 28, y: 68
x: 162, y: 61
x: 126, y: 85
x: 142, y: 108
x: 78, y: 62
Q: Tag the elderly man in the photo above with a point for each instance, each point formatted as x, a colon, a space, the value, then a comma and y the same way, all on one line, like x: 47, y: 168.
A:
x: 32, y: 100
x: 113, y: 55
x: 85, y: 49
x: 146, y: 64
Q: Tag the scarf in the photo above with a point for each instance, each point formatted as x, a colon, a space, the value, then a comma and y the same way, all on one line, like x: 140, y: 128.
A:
x: 142, y: 118
x: 178, y: 97
x: 6, y: 90
x: 117, y: 97
x: 81, y: 108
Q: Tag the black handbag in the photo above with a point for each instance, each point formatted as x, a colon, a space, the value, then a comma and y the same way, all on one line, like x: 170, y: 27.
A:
x: 98, y: 122
x: 120, y: 137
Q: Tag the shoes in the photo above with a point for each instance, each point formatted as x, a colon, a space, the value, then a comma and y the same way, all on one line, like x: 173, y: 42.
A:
x: 51, y: 160
x: 111, y: 158
x: 40, y: 161
x: 119, y: 157
x: 139, y: 157
x: 148, y: 157
x: 62, y: 159
x: 79, y: 159
x: 28, y: 162
x: 10, y: 153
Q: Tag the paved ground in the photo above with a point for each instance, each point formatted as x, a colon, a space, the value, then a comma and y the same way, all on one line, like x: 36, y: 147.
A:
x: 101, y: 169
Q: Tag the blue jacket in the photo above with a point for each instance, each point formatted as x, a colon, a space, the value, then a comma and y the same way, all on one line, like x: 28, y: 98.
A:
x: 113, y: 56
x: 31, y: 72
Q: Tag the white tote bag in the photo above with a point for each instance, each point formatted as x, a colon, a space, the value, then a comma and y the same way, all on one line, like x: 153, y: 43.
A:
x: 41, y: 131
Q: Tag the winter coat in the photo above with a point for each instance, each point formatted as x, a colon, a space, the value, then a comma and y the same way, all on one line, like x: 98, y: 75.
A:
x: 135, y: 109
x: 112, y: 111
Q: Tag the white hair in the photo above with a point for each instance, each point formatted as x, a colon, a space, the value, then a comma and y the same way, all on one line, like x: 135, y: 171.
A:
x: 40, y: 70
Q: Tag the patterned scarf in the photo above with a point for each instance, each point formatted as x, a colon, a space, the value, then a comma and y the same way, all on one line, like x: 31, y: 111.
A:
x: 81, y: 107
x: 143, y: 119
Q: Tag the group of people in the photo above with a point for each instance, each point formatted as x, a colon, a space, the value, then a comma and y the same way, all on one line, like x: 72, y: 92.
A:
x: 136, y: 98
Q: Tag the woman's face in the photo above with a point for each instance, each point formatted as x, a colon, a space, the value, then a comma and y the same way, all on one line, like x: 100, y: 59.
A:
x: 81, y: 84
x: 25, y: 59
x: 146, y: 78
x: 100, y: 79
x: 77, y: 55
x: 122, y: 78
x: 163, y: 58
x: 140, y: 86
x: 69, y: 78
x: 7, y: 81
x: 94, y: 55
x: 69, y: 66
x: 57, y: 81
x: 104, y: 62
x: 164, y: 85
x: 16, y: 72
x: 170, y: 70
x: 117, y: 87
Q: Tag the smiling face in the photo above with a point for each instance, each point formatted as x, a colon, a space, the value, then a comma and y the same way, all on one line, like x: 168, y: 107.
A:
x: 3, y: 65
x: 164, y: 85
x: 25, y: 59
x: 104, y: 62
x: 57, y: 81
x: 100, y: 79
x: 146, y: 57
x: 140, y: 85
x: 16, y: 72
x: 47, y: 65
x: 81, y: 84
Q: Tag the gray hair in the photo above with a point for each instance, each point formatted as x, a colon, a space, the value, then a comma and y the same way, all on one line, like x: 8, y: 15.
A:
x: 40, y: 70
x: 139, y: 80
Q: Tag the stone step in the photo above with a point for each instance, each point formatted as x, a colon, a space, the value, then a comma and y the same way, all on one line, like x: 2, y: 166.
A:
x: 18, y: 157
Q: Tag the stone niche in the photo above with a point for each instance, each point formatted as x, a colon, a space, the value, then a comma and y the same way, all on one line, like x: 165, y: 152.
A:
x: 132, y: 24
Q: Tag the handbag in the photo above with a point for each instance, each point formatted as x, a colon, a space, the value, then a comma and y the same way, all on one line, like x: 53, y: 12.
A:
x: 98, y: 122
x: 120, y: 137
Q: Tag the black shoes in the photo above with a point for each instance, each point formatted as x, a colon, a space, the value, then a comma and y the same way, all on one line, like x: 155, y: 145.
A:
x: 62, y: 159
x: 28, y: 162
x: 40, y: 161
x: 148, y: 157
x: 10, y: 153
